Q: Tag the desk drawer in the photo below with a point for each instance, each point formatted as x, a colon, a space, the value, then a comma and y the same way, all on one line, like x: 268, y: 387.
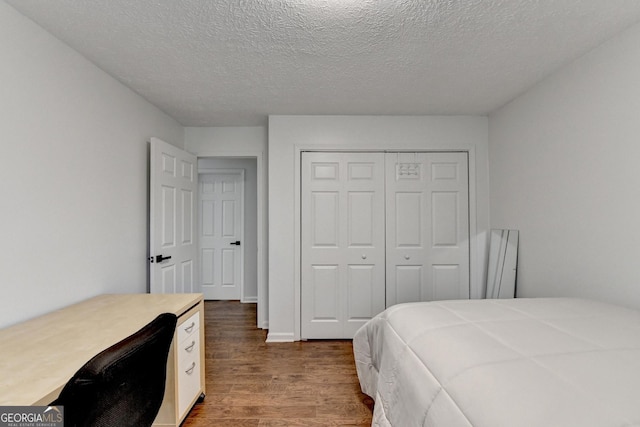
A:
x: 188, y: 372
x: 189, y: 327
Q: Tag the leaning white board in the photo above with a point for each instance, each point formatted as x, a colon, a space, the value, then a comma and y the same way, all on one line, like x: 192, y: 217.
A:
x: 503, y: 264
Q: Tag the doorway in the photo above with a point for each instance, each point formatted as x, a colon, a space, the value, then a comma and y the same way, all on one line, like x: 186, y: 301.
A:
x: 221, y: 232
x: 231, y: 262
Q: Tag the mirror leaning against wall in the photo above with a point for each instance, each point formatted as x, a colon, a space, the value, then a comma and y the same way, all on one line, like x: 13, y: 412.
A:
x: 503, y: 264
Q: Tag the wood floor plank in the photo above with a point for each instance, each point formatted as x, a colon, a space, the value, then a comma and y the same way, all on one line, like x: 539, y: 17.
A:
x: 221, y: 412
x: 254, y: 384
x: 259, y: 388
x: 315, y: 422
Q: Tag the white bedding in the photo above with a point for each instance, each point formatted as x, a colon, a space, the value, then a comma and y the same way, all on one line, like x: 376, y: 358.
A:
x: 490, y: 363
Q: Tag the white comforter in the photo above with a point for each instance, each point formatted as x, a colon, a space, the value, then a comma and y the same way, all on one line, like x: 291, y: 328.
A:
x: 490, y: 363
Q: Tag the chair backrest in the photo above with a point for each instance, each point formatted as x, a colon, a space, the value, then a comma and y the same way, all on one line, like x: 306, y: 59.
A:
x: 124, y: 384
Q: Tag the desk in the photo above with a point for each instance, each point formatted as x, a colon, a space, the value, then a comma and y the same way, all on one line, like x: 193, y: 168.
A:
x: 39, y: 356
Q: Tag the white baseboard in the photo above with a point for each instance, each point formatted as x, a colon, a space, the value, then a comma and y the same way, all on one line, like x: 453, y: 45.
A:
x: 280, y: 337
x: 249, y: 300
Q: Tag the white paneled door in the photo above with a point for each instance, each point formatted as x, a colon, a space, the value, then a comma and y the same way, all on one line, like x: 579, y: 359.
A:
x: 380, y: 229
x: 427, y: 227
x: 221, y: 233
x: 173, y: 249
x: 343, y: 242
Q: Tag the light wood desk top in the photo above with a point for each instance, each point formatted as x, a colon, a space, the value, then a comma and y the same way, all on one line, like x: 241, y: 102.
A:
x: 37, y: 357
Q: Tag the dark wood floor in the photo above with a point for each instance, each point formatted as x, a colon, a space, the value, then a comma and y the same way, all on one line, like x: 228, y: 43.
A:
x: 252, y: 383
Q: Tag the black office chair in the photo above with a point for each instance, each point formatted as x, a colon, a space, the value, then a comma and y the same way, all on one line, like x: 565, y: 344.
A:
x: 123, y: 385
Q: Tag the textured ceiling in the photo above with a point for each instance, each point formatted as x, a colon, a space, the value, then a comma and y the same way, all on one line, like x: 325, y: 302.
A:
x: 233, y: 62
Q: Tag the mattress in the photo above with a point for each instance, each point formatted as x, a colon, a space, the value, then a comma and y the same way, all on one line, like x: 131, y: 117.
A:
x: 490, y: 363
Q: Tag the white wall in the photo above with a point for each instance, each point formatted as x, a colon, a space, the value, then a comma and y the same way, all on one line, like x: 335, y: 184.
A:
x: 250, y: 141
x: 236, y: 139
x: 250, y: 232
x: 564, y: 163
x: 73, y: 192
x: 289, y: 134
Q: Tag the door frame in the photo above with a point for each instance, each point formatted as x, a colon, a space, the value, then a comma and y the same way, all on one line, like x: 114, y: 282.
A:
x: 263, y: 303
x: 223, y: 171
x: 476, y: 247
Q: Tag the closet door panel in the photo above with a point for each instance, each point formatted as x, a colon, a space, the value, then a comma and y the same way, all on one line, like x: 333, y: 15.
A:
x: 324, y: 283
x: 409, y: 284
x: 446, y: 282
x: 365, y: 297
x: 444, y: 211
x: 342, y: 228
x: 408, y: 219
x: 325, y: 217
x: 361, y: 215
x: 431, y: 235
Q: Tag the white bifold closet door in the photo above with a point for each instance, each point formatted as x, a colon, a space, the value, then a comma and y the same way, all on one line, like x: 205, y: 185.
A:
x: 380, y: 229
x: 427, y: 227
x: 343, y: 278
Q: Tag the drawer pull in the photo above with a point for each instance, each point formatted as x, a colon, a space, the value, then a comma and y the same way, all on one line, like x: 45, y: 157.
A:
x: 189, y: 328
x: 190, y: 370
x: 189, y: 348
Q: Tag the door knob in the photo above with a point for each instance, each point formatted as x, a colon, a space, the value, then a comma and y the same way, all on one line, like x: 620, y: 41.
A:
x: 160, y: 258
x: 237, y: 242
x: 407, y: 257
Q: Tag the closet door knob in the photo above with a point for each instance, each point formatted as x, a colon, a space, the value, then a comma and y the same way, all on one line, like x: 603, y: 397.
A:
x: 407, y: 257
x: 364, y: 256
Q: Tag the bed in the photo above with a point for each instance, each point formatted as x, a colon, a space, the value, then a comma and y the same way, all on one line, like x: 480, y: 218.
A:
x: 490, y: 363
